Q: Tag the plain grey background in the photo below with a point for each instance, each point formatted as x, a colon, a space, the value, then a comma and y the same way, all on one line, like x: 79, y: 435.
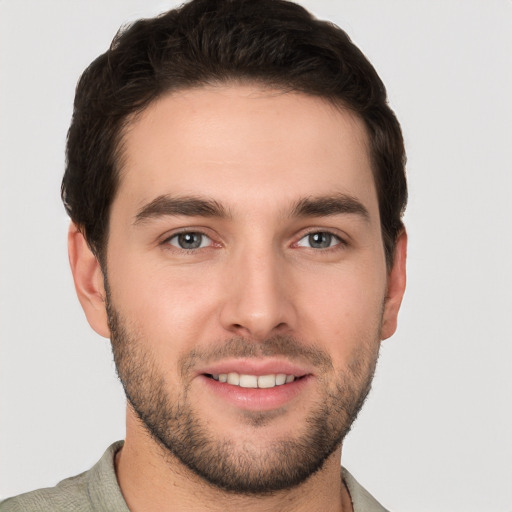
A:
x: 435, y: 434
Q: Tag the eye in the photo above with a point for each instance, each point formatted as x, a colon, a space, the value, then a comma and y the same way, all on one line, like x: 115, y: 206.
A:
x: 319, y: 240
x: 189, y: 240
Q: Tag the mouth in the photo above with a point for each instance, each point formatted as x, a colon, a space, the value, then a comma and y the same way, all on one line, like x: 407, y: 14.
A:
x: 256, y: 385
x: 244, y: 380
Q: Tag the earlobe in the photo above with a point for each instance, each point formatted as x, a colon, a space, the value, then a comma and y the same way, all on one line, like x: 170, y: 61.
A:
x: 89, y: 281
x: 395, y: 287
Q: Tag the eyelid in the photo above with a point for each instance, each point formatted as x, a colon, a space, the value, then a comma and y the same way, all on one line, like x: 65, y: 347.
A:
x: 201, y: 246
x: 165, y: 239
x: 342, y: 240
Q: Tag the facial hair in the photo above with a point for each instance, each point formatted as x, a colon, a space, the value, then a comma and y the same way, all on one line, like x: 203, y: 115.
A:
x: 172, y: 421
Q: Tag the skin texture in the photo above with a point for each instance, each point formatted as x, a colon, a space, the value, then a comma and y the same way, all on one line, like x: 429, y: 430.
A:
x: 258, y: 293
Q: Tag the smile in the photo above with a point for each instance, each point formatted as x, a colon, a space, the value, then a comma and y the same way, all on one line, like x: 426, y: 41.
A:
x: 254, y: 381
x: 256, y: 386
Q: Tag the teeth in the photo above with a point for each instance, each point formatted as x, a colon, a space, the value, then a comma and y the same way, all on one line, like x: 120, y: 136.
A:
x: 280, y: 379
x: 266, y: 381
x: 248, y: 381
x: 254, y: 381
x: 233, y: 378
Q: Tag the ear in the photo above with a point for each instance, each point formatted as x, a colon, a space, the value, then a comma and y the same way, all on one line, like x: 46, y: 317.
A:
x: 395, y: 287
x: 89, y: 281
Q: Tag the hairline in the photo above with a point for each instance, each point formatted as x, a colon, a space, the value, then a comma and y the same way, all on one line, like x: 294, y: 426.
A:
x: 275, y: 86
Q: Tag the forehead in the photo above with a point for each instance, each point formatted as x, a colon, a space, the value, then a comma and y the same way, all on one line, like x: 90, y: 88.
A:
x: 229, y: 142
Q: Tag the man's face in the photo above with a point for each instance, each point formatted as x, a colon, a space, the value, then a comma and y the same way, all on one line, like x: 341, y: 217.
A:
x: 245, y: 244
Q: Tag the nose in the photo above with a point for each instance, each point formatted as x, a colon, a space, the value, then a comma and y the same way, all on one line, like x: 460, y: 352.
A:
x: 259, y: 297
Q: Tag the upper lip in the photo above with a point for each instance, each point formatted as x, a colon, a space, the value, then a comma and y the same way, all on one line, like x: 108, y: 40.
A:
x: 252, y: 366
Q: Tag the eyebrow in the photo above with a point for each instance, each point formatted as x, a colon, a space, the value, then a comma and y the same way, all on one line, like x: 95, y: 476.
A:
x: 189, y: 206
x: 330, y: 205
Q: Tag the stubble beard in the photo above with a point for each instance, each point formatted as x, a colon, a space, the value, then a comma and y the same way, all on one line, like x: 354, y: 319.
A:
x: 184, y: 436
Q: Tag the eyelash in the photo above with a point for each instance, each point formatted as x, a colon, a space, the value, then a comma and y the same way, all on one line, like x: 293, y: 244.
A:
x: 167, y: 241
x: 341, y: 243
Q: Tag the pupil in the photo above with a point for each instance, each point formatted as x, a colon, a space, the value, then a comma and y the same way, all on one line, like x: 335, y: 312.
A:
x: 189, y: 240
x: 320, y: 240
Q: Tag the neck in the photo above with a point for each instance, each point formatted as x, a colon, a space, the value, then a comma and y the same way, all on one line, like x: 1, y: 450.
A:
x: 151, y: 479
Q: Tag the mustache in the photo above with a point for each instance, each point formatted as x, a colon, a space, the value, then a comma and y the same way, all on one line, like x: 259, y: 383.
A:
x: 242, y: 348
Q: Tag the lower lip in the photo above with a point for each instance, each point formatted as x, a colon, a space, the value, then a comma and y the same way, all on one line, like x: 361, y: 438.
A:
x: 257, y: 399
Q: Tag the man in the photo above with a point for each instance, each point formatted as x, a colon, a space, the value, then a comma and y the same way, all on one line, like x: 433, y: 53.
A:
x: 235, y: 181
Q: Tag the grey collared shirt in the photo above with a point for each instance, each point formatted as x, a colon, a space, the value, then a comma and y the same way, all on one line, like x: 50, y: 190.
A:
x: 97, y: 490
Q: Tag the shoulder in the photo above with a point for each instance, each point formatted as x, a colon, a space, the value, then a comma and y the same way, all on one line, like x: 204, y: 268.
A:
x: 362, y: 500
x: 94, y: 490
x: 69, y: 495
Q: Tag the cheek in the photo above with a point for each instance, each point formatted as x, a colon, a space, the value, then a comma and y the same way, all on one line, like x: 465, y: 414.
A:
x: 168, y: 306
x: 343, y: 310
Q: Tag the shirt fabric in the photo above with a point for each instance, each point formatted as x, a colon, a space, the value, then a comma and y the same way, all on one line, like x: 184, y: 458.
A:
x: 97, y: 490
